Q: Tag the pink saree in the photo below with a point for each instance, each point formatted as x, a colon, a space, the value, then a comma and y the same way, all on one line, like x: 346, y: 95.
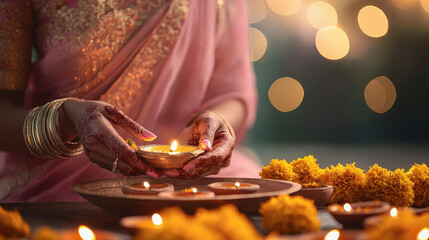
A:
x: 159, y: 61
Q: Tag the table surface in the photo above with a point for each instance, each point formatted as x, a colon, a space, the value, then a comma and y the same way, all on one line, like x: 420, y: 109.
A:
x: 69, y: 215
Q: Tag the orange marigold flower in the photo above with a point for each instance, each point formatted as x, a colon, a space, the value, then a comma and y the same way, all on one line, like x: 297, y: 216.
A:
x: 405, y: 226
x: 278, y: 169
x: 348, y: 183
x: 419, y: 175
x: 290, y: 215
x: 12, y: 225
x: 307, y: 170
x: 392, y: 187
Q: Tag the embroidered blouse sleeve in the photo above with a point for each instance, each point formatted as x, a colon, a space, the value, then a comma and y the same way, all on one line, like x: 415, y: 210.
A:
x: 16, y: 23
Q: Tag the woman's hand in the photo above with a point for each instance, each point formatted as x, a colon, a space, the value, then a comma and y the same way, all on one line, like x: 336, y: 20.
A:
x: 95, y: 124
x: 211, y: 132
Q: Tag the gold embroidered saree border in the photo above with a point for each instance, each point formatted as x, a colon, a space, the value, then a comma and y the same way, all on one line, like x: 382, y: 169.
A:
x: 123, y: 93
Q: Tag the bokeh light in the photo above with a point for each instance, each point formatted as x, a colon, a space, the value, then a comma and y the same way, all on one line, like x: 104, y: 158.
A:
x: 425, y: 5
x: 380, y: 94
x: 284, y: 7
x: 332, y: 43
x: 405, y: 4
x: 286, y: 94
x: 257, y: 10
x: 258, y: 44
x: 321, y: 14
x: 372, y: 21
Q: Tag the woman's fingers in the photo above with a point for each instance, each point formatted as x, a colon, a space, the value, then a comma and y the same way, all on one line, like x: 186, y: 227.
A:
x: 115, y: 115
x: 204, y: 130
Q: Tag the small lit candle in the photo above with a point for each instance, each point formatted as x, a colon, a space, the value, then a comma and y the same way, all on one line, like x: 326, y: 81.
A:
x: 147, y: 189
x: 168, y: 156
x: 192, y: 193
x: 353, y: 215
x: 393, y: 212
x: 423, y: 234
x: 222, y: 188
x: 85, y: 233
x: 332, y: 235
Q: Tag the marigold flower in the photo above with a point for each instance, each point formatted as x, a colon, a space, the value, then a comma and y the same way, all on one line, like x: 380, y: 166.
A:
x: 392, y: 187
x: 419, y: 175
x: 348, y: 183
x: 225, y: 222
x: 278, y: 169
x: 306, y: 169
x: 12, y: 225
x: 290, y: 215
x: 405, y: 226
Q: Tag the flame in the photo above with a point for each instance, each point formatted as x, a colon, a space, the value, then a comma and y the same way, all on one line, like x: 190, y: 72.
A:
x: 173, y: 146
x: 146, y: 184
x: 237, y: 184
x: 423, y: 234
x: 157, y: 219
x: 332, y: 235
x: 347, y: 207
x: 194, y: 190
x: 393, y: 212
x: 85, y: 233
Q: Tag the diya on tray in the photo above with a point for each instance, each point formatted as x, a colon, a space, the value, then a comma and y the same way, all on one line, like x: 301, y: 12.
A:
x: 147, y: 188
x: 165, y: 156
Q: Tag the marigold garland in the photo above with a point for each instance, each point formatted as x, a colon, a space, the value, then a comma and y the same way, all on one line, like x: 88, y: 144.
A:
x: 392, y: 187
x: 405, y: 226
x: 290, y: 215
x: 348, y: 183
x: 279, y: 170
x: 419, y: 175
x: 306, y: 169
x: 12, y: 225
x: 225, y: 222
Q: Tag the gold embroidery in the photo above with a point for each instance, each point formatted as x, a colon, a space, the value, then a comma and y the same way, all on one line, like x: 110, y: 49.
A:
x: 96, y: 29
x: 141, y: 71
x: 15, y: 44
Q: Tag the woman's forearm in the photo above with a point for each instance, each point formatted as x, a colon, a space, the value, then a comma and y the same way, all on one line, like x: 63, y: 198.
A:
x: 234, y: 111
x: 11, y: 121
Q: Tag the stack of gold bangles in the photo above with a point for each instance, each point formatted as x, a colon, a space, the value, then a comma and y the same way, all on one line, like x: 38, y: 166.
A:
x: 41, y: 133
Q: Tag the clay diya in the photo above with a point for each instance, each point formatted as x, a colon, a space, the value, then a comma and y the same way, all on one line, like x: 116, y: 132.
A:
x: 223, y: 188
x: 85, y: 233
x: 146, y: 188
x: 134, y: 223
x: 193, y: 193
x: 352, y: 215
x: 164, y: 156
x: 320, y: 193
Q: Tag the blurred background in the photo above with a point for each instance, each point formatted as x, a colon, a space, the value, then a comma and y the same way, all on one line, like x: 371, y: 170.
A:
x: 346, y: 81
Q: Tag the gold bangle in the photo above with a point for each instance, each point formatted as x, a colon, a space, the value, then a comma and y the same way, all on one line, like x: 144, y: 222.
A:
x: 220, y: 115
x: 41, y: 133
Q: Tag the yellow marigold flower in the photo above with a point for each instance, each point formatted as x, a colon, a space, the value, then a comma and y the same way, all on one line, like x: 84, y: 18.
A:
x: 392, y: 187
x: 218, y: 224
x: 278, y: 169
x: 419, y: 175
x: 229, y: 222
x: 45, y: 233
x: 290, y: 215
x: 348, y: 183
x: 405, y: 226
x: 307, y: 170
x: 12, y: 225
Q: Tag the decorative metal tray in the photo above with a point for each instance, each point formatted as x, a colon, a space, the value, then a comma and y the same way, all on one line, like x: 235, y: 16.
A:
x: 108, y: 195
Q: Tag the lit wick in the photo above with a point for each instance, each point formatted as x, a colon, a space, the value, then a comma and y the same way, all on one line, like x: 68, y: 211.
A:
x: 173, y: 146
x: 423, y: 234
x: 347, y: 207
x: 237, y: 185
x: 332, y: 235
x: 156, y: 219
x: 147, y: 185
x: 393, y: 212
x: 194, y: 191
x: 85, y: 233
